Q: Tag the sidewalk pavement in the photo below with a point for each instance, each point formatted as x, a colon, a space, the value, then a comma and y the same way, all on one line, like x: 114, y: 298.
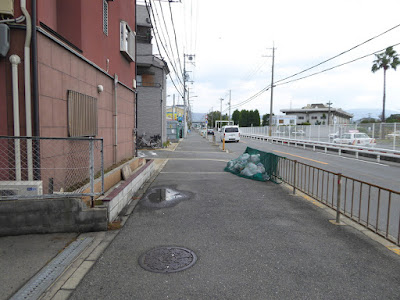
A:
x: 253, y: 240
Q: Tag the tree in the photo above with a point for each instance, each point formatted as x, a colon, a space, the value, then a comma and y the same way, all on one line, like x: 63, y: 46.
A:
x: 395, y: 118
x: 236, y: 117
x: 265, y: 120
x: 385, y: 60
x: 254, y: 118
x: 244, y: 118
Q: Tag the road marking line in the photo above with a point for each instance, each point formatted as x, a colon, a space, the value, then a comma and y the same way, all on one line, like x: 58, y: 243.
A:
x: 394, y: 249
x: 317, y: 161
x: 360, y: 160
x: 200, y: 172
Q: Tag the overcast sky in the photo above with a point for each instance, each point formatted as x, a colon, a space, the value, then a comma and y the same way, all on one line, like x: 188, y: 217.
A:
x: 231, y: 40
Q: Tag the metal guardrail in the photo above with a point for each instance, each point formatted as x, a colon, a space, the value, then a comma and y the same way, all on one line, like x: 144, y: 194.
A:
x: 374, y: 207
x: 41, y: 167
x: 336, y: 148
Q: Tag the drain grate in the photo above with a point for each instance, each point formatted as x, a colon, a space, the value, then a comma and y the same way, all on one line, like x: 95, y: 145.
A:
x: 39, y: 283
x: 167, y: 259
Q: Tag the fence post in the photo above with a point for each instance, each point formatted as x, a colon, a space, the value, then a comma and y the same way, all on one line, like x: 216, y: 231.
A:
x: 91, y: 167
x: 338, y: 200
x: 102, y: 166
x: 294, y: 177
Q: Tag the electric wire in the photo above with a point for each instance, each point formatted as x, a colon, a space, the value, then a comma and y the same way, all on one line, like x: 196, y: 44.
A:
x: 334, y: 67
x: 156, y: 34
x: 340, y: 54
x: 277, y: 83
x: 155, y: 30
x: 176, y: 40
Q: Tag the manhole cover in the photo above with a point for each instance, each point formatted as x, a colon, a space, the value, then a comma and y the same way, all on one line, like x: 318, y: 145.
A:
x: 167, y: 259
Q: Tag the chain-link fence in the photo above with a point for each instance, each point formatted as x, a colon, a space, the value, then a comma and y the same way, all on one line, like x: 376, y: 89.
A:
x: 38, y: 167
x: 387, y: 135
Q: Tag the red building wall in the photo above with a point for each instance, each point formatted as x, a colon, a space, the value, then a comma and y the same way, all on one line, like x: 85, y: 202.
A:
x: 78, y: 26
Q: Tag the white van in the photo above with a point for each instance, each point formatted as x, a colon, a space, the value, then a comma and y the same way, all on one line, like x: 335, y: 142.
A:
x: 230, y: 133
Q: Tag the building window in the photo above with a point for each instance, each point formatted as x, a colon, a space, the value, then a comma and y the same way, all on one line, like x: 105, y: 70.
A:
x: 301, y: 118
x: 82, y: 114
x: 143, y: 34
x: 291, y: 122
x: 139, y: 80
x: 314, y: 118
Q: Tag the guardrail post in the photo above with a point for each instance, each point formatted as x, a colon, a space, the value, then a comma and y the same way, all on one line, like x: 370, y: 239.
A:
x: 338, y: 200
x: 294, y: 176
x: 223, y: 144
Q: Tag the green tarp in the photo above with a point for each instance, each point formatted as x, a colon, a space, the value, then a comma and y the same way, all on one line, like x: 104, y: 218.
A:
x: 255, y: 164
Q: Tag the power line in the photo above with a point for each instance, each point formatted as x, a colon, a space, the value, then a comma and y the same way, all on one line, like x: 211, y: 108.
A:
x: 316, y: 73
x: 156, y: 34
x: 176, y: 40
x: 344, y: 52
x: 334, y: 67
x: 158, y: 47
x: 329, y: 59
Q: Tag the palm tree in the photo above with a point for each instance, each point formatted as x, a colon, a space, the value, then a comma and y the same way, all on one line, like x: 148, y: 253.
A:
x: 385, y: 60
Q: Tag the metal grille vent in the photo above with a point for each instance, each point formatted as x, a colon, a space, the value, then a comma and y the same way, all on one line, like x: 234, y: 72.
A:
x: 105, y: 17
x: 82, y: 114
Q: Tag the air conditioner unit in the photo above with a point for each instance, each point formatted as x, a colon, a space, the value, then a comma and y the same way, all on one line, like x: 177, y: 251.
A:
x: 8, y: 189
x: 127, y: 41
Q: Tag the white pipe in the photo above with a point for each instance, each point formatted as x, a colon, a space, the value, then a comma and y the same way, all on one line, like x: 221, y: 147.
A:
x: 115, y: 118
x: 15, y: 61
x: 27, y: 69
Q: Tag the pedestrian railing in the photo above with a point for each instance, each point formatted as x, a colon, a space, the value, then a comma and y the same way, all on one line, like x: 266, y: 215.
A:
x: 374, y: 207
x: 41, y: 167
x: 339, y: 149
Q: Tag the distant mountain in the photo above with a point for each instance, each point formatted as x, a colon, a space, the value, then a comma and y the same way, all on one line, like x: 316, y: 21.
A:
x: 198, y: 117
x: 361, y: 113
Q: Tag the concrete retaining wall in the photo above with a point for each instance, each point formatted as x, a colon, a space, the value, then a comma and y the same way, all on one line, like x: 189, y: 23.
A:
x: 49, y: 216
x: 123, y: 194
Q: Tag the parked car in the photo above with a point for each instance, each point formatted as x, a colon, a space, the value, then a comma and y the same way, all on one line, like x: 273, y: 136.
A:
x: 394, y: 134
x: 355, y: 138
x: 230, y: 133
x: 334, y: 135
x: 210, y: 131
x: 299, y: 132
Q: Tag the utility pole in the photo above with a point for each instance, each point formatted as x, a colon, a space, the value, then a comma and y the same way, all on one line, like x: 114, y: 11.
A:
x: 272, y: 90
x: 221, y: 99
x: 230, y: 95
x: 329, y: 110
x: 173, y: 107
x: 185, y: 77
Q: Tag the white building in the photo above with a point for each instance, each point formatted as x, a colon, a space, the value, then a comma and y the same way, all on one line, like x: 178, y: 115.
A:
x: 284, y: 120
x: 319, y: 114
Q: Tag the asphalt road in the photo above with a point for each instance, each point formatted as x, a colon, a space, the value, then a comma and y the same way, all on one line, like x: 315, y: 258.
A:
x: 253, y: 240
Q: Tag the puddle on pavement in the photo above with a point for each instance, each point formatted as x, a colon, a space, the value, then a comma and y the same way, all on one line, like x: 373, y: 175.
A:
x: 161, y: 197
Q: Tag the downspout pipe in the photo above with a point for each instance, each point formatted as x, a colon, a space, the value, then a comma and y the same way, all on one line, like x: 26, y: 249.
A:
x: 115, y: 117
x: 27, y: 73
x: 35, y: 91
x: 15, y: 61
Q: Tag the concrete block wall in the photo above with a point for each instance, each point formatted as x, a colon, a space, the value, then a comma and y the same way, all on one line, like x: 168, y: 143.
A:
x: 30, y: 216
x: 123, y: 194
